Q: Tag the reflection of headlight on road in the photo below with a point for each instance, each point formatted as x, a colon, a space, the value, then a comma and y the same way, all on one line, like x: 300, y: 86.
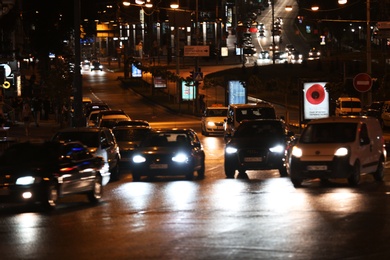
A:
x: 180, y: 158
x: 210, y: 123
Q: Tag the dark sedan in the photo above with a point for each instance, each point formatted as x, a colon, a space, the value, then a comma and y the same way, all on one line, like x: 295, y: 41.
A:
x: 169, y: 152
x: 43, y: 172
x: 128, y: 139
x: 258, y: 145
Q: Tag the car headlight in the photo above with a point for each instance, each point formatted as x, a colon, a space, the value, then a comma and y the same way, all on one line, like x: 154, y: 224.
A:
x: 180, y: 158
x: 342, y: 151
x: 296, y: 152
x: 230, y: 150
x: 139, y: 159
x: 277, y: 149
x: 27, y: 180
x: 210, y: 123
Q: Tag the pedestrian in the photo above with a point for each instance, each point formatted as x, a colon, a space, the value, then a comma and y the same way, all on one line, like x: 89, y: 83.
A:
x: 37, y: 108
x: 26, y: 114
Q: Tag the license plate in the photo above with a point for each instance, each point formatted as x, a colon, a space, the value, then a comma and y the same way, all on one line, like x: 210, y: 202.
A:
x: 4, y: 192
x: 253, y: 159
x: 158, y: 166
x: 317, y: 168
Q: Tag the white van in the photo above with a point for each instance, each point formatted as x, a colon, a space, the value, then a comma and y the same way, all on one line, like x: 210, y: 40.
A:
x: 348, y: 106
x: 338, y: 147
x: 239, y: 112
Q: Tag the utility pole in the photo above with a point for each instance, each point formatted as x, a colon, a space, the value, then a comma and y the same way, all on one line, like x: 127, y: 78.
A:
x: 78, y: 119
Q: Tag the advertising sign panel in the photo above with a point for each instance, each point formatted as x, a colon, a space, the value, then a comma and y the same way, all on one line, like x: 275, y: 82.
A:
x: 188, y: 91
x: 159, y: 82
x: 236, y: 92
x: 135, y: 72
x: 315, y: 100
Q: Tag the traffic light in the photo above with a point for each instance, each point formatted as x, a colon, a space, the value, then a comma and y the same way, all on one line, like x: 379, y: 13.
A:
x: 2, y: 75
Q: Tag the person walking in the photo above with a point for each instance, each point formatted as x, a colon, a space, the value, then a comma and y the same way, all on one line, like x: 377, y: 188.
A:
x: 26, y: 115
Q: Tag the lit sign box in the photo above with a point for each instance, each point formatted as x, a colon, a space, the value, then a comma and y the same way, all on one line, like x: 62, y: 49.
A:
x: 224, y: 51
x: 237, y: 92
x: 315, y: 100
x: 188, y: 91
x: 135, y: 72
x: 159, y: 82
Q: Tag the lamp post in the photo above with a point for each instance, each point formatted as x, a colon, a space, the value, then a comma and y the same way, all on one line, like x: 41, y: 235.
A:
x: 273, y: 30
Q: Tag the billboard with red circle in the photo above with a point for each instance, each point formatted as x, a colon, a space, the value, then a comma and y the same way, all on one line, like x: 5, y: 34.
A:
x: 315, y: 100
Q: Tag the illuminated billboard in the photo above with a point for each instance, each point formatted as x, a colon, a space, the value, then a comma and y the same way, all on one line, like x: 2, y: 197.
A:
x: 315, y: 100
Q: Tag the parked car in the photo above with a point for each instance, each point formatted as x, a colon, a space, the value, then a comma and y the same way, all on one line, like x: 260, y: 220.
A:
x: 110, y: 121
x: 128, y: 138
x: 169, y: 152
x: 103, y: 113
x: 95, y: 106
x: 213, y: 119
x: 258, y: 145
x: 338, y: 147
x: 42, y: 173
x: 99, y: 140
x: 376, y: 109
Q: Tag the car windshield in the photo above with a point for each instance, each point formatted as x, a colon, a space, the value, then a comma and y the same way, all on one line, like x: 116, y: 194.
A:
x: 255, y: 113
x: 329, y: 133
x: 216, y: 112
x: 130, y: 135
x: 259, y: 129
x: 90, y: 139
x: 351, y: 104
x: 165, y: 140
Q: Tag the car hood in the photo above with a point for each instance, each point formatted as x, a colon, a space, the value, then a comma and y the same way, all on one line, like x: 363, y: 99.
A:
x: 161, y: 150
x: 128, y: 145
x: 266, y: 141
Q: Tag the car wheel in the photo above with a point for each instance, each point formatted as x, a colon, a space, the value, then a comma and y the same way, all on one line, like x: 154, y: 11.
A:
x: 115, y: 172
x: 50, y: 202
x: 201, y: 171
x: 136, y: 176
x: 378, y: 174
x: 96, y: 193
x: 296, y: 182
x: 283, y: 172
x: 354, y: 178
x: 229, y: 172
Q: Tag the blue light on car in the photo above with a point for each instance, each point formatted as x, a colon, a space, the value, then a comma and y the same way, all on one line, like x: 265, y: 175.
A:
x: 139, y: 159
x: 26, y: 180
x: 277, y: 149
x: 180, y: 158
x: 230, y: 150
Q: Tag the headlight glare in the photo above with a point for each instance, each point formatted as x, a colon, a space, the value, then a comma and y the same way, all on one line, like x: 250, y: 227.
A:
x: 277, y: 149
x: 26, y: 180
x: 230, y: 150
x: 296, y: 152
x: 342, y: 151
x: 139, y: 159
x: 180, y: 158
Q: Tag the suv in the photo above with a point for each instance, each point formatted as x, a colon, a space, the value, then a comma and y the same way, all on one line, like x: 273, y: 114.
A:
x: 100, y: 141
x: 239, y: 112
x: 338, y: 147
x: 258, y: 145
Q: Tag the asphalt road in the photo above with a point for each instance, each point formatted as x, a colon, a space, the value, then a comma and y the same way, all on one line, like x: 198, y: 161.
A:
x: 257, y: 216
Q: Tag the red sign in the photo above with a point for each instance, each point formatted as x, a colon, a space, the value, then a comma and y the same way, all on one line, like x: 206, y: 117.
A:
x: 362, y: 82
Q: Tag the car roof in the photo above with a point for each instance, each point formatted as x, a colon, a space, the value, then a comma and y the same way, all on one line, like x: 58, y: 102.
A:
x: 115, y: 116
x: 125, y: 127
x: 112, y: 112
x: 217, y: 107
x: 259, y: 104
x: 172, y: 130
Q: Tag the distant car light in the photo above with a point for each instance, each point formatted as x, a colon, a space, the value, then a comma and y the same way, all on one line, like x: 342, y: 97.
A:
x: 26, y: 180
